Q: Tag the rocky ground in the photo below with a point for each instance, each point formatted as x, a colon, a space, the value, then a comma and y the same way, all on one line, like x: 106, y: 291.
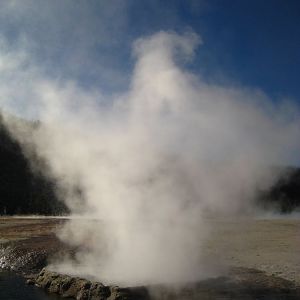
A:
x: 239, y: 283
x: 257, y: 259
x: 26, y: 244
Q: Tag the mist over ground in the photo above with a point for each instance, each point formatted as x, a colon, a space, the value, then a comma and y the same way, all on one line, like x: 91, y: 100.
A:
x: 152, y: 164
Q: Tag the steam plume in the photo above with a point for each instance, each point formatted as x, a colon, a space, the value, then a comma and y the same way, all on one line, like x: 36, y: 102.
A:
x: 153, y: 163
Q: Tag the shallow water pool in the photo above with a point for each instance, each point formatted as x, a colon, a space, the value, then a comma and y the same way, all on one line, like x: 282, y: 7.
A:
x: 13, y: 287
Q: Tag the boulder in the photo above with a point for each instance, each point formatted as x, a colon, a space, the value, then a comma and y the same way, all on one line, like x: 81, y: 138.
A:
x: 83, y: 289
x: 71, y: 287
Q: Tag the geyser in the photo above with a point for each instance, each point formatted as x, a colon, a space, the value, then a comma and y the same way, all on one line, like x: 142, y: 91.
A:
x: 152, y: 164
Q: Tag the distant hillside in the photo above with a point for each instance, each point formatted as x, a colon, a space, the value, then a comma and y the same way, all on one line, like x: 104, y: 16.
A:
x: 22, y: 191
x: 284, y: 196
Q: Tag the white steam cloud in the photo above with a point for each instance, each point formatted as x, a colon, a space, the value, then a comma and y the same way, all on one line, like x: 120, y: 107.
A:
x: 153, y: 163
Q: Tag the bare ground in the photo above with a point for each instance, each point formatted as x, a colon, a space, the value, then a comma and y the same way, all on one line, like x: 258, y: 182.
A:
x: 257, y: 259
x: 271, y: 245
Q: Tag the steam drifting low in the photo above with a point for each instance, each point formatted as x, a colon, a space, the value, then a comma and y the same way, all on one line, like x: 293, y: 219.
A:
x: 149, y: 166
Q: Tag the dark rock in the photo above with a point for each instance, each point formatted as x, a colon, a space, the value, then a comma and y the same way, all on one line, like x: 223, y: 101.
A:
x: 29, y: 255
x: 98, y: 291
x: 82, y: 289
x: 66, y: 282
x: 77, y: 285
x: 30, y: 281
x: 45, y: 279
x: 133, y: 293
x: 70, y: 287
x: 83, y: 294
x: 240, y: 283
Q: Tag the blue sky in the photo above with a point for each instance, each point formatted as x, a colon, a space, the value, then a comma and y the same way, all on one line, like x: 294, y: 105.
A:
x: 249, y: 43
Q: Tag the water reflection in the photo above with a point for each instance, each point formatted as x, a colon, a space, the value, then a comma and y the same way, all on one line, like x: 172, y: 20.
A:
x: 13, y: 287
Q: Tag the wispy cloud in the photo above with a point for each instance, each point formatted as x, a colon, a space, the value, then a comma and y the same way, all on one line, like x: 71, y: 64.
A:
x: 70, y: 40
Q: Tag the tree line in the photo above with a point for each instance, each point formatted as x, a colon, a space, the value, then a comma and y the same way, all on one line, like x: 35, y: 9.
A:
x: 23, y: 191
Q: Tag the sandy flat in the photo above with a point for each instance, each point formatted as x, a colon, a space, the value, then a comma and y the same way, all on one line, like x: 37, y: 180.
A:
x: 270, y: 245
